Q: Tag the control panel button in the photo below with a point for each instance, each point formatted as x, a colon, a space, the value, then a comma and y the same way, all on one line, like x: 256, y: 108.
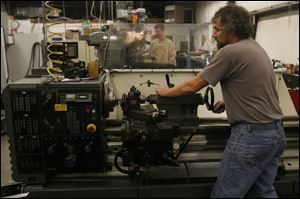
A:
x: 91, y: 128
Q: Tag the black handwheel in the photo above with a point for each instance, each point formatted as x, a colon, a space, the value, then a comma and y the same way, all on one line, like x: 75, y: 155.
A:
x: 209, y: 106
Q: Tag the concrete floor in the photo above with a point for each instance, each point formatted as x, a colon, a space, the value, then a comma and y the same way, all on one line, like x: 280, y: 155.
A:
x: 5, y: 162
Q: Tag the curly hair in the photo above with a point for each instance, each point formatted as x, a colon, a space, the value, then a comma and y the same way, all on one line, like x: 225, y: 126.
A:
x: 235, y: 19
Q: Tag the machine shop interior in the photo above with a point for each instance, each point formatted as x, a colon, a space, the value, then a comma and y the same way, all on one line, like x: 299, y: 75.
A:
x: 80, y: 116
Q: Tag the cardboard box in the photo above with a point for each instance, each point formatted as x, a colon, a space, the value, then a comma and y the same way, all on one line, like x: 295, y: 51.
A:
x: 89, y: 31
x: 174, y: 14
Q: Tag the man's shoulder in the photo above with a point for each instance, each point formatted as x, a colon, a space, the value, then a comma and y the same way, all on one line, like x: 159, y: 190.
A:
x: 241, y: 43
x: 154, y: 41
x: 167, y: 40
x: 240, y: 46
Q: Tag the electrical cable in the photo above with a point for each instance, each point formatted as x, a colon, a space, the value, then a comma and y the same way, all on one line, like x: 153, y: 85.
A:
x: 53, y: 13
x: 120, y: 155
x: 35, y: 46
x: 64, y: 11
x: 87, y: 10
x: 112, y: 10
x: 105, y: 48
x: 100, y: 12
x: 92, y: 9
x: 51, y: 61
x: 107, y: 11
x: 187, y: 173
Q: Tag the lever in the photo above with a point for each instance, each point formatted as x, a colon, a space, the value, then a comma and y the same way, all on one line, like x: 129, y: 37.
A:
x: 149, y: 83
x: 185, y: 144
x: 170, y: 85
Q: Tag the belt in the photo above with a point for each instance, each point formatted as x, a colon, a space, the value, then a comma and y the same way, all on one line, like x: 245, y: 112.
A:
x: 262, y: 126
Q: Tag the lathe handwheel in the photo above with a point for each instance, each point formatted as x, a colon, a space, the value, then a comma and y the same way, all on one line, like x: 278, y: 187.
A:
x: 210, y: 105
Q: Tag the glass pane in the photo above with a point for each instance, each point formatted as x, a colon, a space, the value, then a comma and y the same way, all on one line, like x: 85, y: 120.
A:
x: 137, y: 46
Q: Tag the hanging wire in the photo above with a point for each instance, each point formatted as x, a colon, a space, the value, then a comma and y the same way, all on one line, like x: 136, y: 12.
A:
x: 44, y: 22
x: 53, y: 13
x: 64, y: 17
x: 108, y: 9
x: 112, y: 10
x: 87, y: 10
x: 100, y: 12
x: 92, y: 9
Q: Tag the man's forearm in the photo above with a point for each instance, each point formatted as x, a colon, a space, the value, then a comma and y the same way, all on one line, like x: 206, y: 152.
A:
x: 184, y: 88
x: 188, y: 87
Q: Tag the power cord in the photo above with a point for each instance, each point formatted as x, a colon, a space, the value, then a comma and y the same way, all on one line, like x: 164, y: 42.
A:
x: 187, y: 173
x: 36, y: 46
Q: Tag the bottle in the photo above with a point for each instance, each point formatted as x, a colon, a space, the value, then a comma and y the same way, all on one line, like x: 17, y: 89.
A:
x: 93, y: 69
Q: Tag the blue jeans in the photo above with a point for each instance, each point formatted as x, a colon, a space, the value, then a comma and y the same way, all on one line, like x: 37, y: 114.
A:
x: 249, y: 164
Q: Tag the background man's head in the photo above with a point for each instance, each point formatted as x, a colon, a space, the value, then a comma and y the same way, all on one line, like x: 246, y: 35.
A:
x: 159, y: 30
x: 231, y: 21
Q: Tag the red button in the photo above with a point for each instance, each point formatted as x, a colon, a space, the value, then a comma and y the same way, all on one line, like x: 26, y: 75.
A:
x: 87, y: 110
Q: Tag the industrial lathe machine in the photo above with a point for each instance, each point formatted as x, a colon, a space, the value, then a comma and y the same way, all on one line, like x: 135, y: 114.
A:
x: 65, y: 140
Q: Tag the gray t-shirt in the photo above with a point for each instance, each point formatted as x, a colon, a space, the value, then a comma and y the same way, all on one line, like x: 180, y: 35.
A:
x: 247, y: 80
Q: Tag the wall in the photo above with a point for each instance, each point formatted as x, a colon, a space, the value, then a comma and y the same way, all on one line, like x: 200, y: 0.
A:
x: 206, y: 10
x: 18, y: 55
x: 256, y: 5
x: 279, y: 35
